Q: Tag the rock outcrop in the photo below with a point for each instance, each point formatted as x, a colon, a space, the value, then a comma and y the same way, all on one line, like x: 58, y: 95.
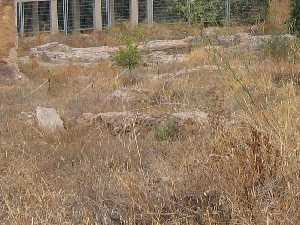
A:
x: 123, y: 122
x: 59, y: 53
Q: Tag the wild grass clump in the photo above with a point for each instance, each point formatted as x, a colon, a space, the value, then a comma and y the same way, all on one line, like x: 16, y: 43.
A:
x: 279, y: 47
x: 167, y: 130
x: 128, y: 57
x: 8, y: 34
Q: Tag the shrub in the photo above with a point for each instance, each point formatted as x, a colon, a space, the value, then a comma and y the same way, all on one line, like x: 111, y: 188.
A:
x: 129, y: 56
x: 166, y: 131
x: 278, y: 47
x: 295, y: 17
x: 213, y: 12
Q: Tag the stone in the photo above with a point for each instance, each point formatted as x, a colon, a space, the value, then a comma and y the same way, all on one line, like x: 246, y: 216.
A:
x: 163, y: 57
x: 124, y: 121
x: 247, y: 41
x: 60, y: 53
x: 184, y: 72
x: 252, y: 42
x: 48, y: 119
x: 210, y: 32
x: 199, y: 117
x: 128, y: 95
x: 122, y: 94
x: 85, y: 118
x: 162, y: 45
x: 228, y: 41
x: 27, y: 118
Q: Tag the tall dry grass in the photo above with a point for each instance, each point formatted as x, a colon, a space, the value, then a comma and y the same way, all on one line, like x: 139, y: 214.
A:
x: 8, y: 32
x: 241, y: 167
x: 279, y: 14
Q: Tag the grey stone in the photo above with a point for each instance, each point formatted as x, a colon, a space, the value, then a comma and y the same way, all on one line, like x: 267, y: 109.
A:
x: 229, y: 40
x: 60, y: 53
x: 199, y: 117
x: 48, y: 119
x: 164, y: 57
x: 161, y: 45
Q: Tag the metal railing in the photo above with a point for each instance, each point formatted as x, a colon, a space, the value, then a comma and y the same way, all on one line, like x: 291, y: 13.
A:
x: 35, y: 16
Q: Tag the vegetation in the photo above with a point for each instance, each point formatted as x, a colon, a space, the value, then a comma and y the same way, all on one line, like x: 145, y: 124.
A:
x: 128, y: 57
x: 213, y: 12
x: 205, y: 12
x: 167, y: 130
x: 7, y: 38
x: 282, y: 48
x: 278, y: 47
x: 239, y: 165
x: 295, y: 17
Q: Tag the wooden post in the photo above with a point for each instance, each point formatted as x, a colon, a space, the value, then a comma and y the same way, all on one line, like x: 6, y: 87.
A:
x: 35, y: 17
x: 54, y: 17
x: 150, y: 11
x: 76, y: 15
x: 97, y: 15
x: 111, y: 12
x: 134, y: 12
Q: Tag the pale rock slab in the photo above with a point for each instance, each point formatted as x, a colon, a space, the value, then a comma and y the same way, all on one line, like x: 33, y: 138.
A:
x: 48, y: 119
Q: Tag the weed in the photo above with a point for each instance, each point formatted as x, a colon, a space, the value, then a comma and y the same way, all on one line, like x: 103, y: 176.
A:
x: 278, y: 47
x: 128, y: 57
x: 166, y: 131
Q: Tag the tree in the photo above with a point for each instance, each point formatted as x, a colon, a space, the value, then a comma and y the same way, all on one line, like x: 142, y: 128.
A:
x: 212, y: 12
x: 295, y: 17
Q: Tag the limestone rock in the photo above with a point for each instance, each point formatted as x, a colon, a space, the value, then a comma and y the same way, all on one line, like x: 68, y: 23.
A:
x: 228, y: 41
x: 199, y: 117
x: 163, y: 57
x: 246, y: 40
x: 162, y: 45
x: 60, y: 53
x: 48, y: 119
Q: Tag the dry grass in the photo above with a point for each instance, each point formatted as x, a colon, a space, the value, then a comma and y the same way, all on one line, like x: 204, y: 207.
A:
x: 240, y: 168
x: 279, y: 14
x: 7, y: 28
x: 118, y: 35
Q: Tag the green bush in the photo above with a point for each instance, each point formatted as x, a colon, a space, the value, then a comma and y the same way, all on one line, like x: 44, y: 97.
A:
x: 213, y: 12
x: 295, y: 17
x: 129, y: 56
x: 278, y: 47
x: 166, y: 131
x: 203, y: 11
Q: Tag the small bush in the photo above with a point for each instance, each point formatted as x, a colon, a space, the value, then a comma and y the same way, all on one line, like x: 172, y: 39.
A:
x: 166, y: 131
x: 129, y: 56
x: 295, y: 17
x: 278, y: 47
